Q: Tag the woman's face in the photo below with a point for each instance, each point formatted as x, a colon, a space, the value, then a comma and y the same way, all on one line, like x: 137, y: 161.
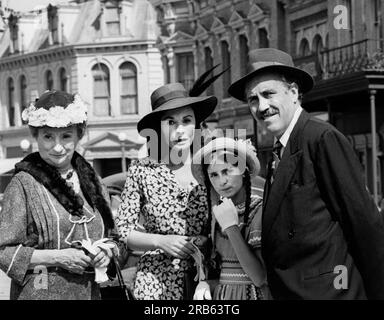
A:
x: 57, y: 145
x: 178, y: 128
x: 227, y: 180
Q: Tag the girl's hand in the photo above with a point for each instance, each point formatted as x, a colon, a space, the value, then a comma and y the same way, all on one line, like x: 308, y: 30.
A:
x: 226, y: 214
x: 73, y: 260
x: 202, y: 291
x: 102, y: 259
x: 175, y: 245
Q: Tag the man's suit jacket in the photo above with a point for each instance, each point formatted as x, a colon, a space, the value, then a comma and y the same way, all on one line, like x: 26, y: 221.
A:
x: 318, y: 215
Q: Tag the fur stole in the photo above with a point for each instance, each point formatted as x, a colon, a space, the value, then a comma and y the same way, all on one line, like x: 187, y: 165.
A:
x: 90, y: 185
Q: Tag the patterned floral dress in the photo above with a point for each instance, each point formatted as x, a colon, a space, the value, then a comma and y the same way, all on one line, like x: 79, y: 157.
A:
x: 234, y: 283
x: 153, y: 199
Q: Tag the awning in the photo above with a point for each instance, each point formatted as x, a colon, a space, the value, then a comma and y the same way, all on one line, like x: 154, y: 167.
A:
x: 8, y: 164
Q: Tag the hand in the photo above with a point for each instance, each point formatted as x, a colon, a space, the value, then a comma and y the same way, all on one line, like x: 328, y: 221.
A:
x: 73, y: 260
x: 102, y: 259
x: 226, y: 214
x: 175, y: 245
x: 200, y: 241
x: 202, y: 291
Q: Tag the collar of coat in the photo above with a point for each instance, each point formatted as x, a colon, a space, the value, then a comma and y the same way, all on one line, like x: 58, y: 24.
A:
x: 89, y: 182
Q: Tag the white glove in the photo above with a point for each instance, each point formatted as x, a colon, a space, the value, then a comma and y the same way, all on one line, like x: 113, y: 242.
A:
x: 202, y: 291
x: 226, y: 214
x: 100, y: 273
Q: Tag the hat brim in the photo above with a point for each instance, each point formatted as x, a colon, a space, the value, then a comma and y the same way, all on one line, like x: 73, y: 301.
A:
x: 301, y: 77
x: 202, y: 107
x: 222, y: 143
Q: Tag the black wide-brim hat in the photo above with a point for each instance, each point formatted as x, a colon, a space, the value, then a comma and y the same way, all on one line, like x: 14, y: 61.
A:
x: 174, y: 96
x: 271, y: 60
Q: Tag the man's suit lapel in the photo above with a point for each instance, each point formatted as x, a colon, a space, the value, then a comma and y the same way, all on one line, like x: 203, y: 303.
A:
x: 287, y: 167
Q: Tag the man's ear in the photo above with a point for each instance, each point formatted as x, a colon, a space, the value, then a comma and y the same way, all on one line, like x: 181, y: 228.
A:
x: 294, y: 88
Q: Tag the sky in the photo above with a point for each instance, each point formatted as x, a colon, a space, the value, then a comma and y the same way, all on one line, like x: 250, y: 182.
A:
x: 27, y: 5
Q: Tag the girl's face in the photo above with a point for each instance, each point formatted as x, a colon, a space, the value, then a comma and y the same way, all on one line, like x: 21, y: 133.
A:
x: 57, y: 145
x: 178, y: 128
x: 227, y: 180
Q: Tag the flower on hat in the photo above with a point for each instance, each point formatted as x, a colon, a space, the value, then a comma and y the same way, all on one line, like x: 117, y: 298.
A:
x: 57, y: 116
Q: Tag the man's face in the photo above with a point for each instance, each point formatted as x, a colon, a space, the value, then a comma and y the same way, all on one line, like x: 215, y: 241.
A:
x: 272, y: 101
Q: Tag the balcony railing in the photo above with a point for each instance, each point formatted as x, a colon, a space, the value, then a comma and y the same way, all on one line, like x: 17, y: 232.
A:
x: 363, y: 55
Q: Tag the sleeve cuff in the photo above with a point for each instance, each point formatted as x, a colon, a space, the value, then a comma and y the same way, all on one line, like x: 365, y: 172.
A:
x: 19, y: 264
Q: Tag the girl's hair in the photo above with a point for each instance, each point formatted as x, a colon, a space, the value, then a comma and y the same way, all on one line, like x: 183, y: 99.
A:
x: 248, y: 191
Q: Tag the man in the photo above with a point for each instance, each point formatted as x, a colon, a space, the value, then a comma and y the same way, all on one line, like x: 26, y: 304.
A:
x: 323, y: 237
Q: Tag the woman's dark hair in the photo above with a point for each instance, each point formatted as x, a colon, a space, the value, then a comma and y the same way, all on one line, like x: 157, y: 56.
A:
x: 80, y: 129
x: 157, y: 128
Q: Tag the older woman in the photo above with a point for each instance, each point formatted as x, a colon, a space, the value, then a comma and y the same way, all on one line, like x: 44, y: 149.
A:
x: 53, y: 206
x: 162, y: 196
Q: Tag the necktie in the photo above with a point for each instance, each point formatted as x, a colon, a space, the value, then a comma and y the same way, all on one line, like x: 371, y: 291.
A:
x: 276, y: 153
x: 272, y: 166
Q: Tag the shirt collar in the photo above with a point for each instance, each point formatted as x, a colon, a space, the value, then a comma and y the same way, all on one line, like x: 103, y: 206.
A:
x: 285, y: 137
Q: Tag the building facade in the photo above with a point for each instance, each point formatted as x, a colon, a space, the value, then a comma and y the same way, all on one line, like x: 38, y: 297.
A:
x: 339, y: 42
x: 104, y: 50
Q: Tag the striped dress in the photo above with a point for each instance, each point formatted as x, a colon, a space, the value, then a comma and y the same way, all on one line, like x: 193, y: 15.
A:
x: 234, y: 283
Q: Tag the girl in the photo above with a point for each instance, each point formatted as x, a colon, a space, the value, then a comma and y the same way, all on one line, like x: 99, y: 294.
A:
x: 236, y: 221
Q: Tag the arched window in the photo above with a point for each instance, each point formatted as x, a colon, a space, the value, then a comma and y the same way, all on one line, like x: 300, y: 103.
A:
x: 243, y: 44
x: 23, y: 93
x: 208, y: 65
x: 263, y: 38
x: 11, y: 102
x: 128, y: 88
x: 304, y: 48
x: 101, y: 95
x: 48, y: 80
x: 63, y: 80
x: 185, y: 69
x: 226, y: 58
x: 317, y: 44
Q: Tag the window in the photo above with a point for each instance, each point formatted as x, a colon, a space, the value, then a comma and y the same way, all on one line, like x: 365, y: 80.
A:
x: 23, y: 93
x: 63, y: 80
x: 226, y: 56
x: 243, y: 44
x: 128, y: 88
x: 53, y: 22
x: 348, y: 4
x: 11, y: 102
x: 167, y: 71
x: 209, y: 65
x: 101, y: 101
x: 48, y: 80
x: 263, y: 38
x: 304, y: 48
x: 112, y: 17
x: 317, y: 45
x: 14, y: 32
x: 185, y: 72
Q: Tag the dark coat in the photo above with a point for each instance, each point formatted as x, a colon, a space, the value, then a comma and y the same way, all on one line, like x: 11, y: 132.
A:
x: 317, y: 215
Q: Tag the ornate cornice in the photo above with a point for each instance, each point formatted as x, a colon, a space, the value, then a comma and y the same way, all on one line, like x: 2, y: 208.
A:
x: 66, y: 52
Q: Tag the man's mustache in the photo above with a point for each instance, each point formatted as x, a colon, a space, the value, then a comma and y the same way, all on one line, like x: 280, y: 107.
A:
x: 262, y: 115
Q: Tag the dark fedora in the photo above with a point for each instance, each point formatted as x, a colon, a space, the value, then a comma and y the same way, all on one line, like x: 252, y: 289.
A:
x: 273, y: 60
x: 173, y: 96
